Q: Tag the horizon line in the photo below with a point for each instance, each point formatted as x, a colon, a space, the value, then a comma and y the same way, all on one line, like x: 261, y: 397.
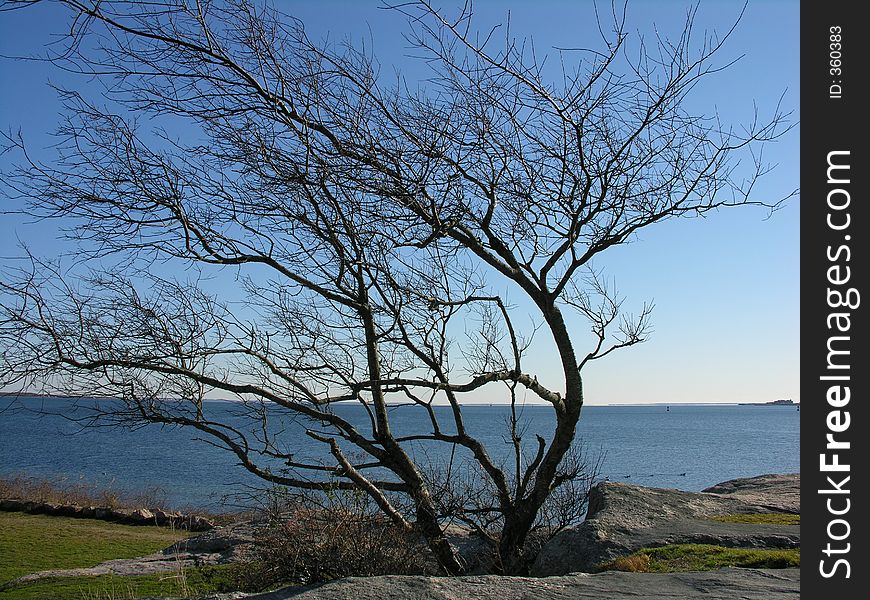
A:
x: 782, y: 402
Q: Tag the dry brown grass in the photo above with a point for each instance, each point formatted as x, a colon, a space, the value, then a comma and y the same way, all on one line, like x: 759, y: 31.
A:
x: 760, y: 519
x: 82, y: 493
x: 321, y: 544
x: 703, y: 557
x: 636, y: 563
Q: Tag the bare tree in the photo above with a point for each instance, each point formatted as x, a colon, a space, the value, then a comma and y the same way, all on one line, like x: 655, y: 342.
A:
x: 367, y: 220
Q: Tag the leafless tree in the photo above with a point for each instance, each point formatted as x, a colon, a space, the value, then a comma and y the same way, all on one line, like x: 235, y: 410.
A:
x: 367, y: 219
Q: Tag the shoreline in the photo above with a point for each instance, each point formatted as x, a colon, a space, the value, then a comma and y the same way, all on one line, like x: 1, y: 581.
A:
x: 145, y: 516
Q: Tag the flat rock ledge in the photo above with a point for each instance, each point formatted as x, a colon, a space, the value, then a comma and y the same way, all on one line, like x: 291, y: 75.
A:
x: 624, y: 518
x: 127, y: 516
x: 724, y: 584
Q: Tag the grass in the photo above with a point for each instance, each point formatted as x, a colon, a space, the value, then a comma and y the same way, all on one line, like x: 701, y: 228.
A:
x: 30, y: 543
x: 201, y: 580
x: 760, y: 519
x: 702, y: 557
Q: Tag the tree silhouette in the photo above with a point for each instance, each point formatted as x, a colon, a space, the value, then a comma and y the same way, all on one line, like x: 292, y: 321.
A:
x: 371, y: 221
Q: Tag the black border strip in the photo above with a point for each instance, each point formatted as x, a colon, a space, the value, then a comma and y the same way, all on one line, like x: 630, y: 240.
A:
x: 835, y: 224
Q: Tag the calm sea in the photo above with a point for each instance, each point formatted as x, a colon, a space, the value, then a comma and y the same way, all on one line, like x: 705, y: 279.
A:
x: 684, y: 447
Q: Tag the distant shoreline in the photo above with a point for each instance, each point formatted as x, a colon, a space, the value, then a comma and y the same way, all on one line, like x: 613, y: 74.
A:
x: 789, y: 402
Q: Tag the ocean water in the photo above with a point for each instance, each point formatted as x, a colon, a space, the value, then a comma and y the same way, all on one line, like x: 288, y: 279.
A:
x: 688, y: 447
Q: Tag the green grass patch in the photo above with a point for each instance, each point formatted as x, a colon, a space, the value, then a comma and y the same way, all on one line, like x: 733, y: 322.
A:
x: 201, y: 580
x: 702, y: 557
x: 760, y: 519
x: 30, y: 543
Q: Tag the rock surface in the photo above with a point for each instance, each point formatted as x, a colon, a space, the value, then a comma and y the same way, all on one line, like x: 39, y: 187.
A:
x: 624, y: 518
x: 231, y: 542
x: 724, y: 584
x: 779, y: 493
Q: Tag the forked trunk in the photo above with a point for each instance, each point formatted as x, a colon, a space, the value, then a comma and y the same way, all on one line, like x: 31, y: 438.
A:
x: 512, y: 559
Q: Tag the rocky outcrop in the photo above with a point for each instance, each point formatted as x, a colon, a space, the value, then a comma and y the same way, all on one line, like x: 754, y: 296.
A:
x: 778, y: 493
x: 127, y: 516
x: 624, y: 518
x: 229, y: 543
x: 725, y: 584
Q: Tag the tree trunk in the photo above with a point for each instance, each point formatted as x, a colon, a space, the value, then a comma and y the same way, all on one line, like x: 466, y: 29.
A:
x: 431, y: 530
x: 402, y: 465
x: 513, y: 560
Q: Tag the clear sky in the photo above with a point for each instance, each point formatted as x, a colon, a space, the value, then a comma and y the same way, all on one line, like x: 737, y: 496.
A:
x: 725, y: 287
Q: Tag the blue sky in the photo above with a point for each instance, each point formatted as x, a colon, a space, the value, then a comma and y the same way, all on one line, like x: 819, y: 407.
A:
x: 726, y: 287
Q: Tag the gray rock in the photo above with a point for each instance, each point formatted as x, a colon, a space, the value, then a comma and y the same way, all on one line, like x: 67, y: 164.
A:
x: 11, y: 504
x: 624, y: 518
x: 725, y: 584
x: 49, y: 508
x: 229, y: 541
x: 474, y: 551
x: 69, y: 510
x: 142, y: 516
x: 163, y: 517
x: 197, y: 523
x: 103, y: 513
x: 122, y: 515
x: 138, y: 516
x: 779, y: 493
